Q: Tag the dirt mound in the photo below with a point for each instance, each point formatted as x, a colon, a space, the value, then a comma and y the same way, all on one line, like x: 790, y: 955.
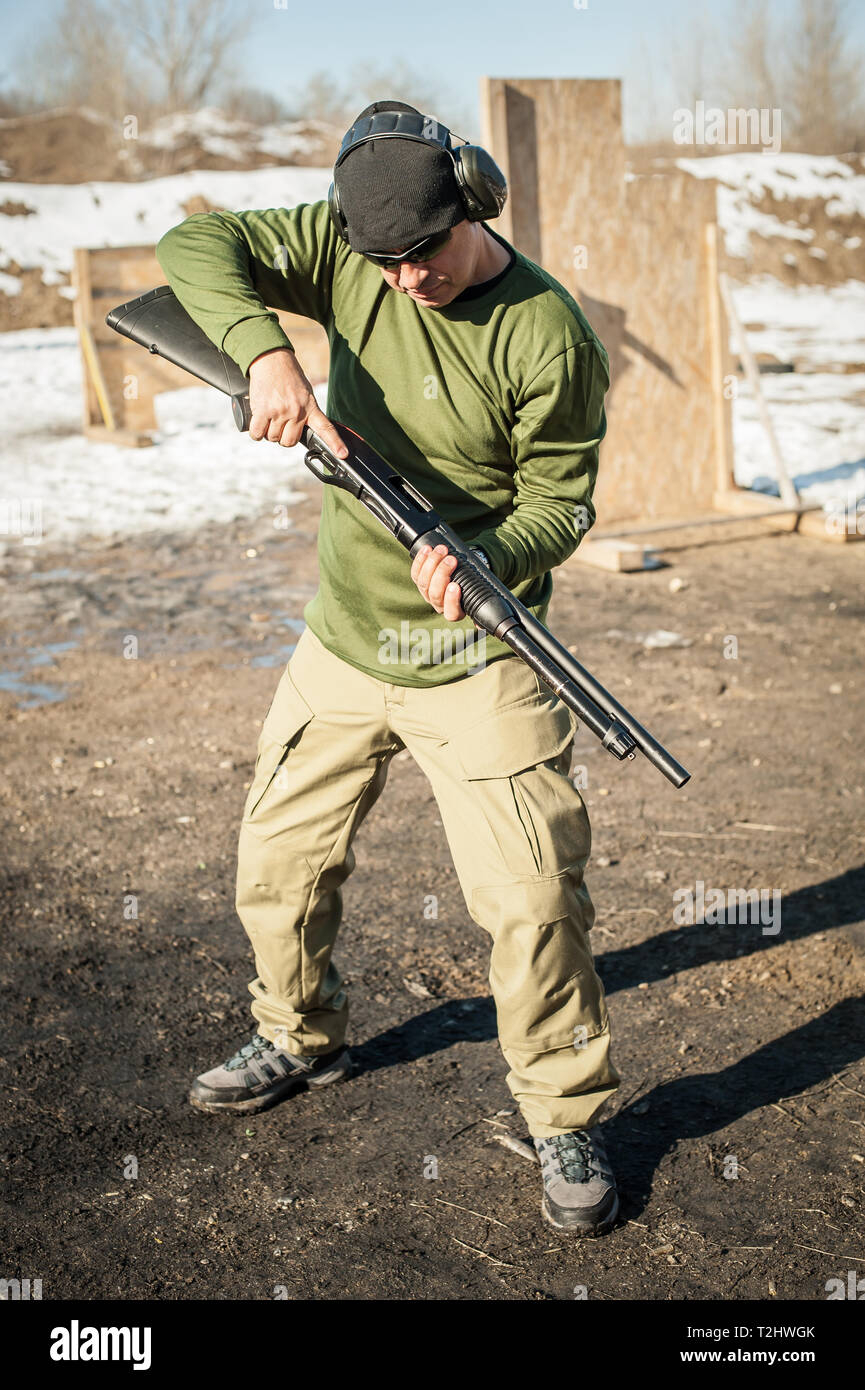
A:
x: 834, y: 254
x: 71, y: 145
x: 75, y: 145
x: 36, y: 305
x: 795, y: 216
x: 68, y: 145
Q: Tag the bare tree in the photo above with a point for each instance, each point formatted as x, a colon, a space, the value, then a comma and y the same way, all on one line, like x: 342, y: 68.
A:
x: 17, y: 101
x: 187, y: 46
x: 825, y: 82
x: 324, y: 99
x: 808, y: 71
x: 319, y: 99
x: 242, y: 103
x: 119, y: 56
x: 807, y: 68
x: 83, y: 60
x: 693, y: 62
x: 752, y: 69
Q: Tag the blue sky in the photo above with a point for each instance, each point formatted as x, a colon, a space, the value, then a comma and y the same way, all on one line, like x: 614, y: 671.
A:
x: 456, y: 42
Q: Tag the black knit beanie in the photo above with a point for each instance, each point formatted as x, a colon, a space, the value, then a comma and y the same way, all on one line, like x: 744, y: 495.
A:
x: 394, y: 192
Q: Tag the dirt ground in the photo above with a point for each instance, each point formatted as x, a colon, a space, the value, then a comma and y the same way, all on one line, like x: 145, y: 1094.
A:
x: 738, y: 1132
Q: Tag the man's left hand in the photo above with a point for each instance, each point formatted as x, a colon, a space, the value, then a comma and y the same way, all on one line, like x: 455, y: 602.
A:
x: 431, y: 571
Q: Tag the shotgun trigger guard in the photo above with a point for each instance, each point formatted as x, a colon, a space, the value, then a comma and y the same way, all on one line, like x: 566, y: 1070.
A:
x: 324, y: 469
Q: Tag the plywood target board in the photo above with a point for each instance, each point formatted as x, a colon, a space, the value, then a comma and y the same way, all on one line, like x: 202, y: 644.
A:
x: 634, y: 254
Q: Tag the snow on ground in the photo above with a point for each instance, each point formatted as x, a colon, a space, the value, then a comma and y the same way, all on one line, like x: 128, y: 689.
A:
x: 743, y: 179
x: 135, y: 214
x: 814, y: 326
x: 818, y: 411
x: 100, y: 489
x: 216, y: 133
x: 200, y: 469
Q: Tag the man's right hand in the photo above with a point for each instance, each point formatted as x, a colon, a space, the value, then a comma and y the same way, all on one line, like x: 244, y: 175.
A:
x: 281, y: 400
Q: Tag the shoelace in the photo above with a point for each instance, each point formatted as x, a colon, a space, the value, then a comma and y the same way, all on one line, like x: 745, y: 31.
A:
x: 251, y: 1049
x: 575, y: 1152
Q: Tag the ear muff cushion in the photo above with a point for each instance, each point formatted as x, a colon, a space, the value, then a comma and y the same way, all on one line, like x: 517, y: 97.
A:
x: 481, y: 181
x: 336, y: 212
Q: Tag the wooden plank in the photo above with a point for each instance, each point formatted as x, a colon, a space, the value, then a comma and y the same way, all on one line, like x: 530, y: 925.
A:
x: 81, y: 313
x: 91, y: 361
x: 632, y: 253
x: 785, y: 485
x: 494, y: 138
x: 620, y: 556
x: 724, y: 475
x: 120, y: 379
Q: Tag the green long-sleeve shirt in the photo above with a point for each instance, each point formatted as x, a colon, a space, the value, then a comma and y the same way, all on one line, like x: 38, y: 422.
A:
x: 493, y: 406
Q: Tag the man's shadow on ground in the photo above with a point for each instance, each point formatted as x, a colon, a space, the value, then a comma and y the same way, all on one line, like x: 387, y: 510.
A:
x: 690, y: 1107
x: 698, y: 1104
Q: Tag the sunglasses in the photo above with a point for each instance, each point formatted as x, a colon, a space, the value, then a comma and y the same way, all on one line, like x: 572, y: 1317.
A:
x: 423, y: 251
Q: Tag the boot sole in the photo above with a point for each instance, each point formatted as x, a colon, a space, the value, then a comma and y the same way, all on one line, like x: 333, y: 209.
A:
x: 578, y: 1228
x: 291, y: 1086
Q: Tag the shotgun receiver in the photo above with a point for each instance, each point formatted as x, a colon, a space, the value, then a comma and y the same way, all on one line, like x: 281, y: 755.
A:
x: 158, y: 321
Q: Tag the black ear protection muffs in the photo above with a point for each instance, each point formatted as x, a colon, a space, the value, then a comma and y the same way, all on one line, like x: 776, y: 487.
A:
x: 481, y: 183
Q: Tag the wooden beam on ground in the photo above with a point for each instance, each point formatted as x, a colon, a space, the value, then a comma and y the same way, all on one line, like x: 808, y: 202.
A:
x: 621, y: 556
x: 772, y: 511
x: 131, y: 439
x: 829, y: 526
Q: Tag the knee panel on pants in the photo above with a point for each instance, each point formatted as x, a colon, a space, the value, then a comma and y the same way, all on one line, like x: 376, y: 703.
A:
x: 542, y: 972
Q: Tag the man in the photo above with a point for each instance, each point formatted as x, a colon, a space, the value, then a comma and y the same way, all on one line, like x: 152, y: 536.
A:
x: 475, y: 373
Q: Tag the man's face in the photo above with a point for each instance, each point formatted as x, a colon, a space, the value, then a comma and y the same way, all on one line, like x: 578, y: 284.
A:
x: 436, y: 282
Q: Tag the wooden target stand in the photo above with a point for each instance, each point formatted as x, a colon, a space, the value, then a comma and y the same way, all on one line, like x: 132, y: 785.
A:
x: 640, y: 257
x: 120, y: 381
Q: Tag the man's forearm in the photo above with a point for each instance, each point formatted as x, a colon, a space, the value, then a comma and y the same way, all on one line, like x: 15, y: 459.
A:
x: 532, y: 541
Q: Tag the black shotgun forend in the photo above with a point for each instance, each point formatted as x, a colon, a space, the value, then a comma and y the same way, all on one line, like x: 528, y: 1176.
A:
x: 158, y: 322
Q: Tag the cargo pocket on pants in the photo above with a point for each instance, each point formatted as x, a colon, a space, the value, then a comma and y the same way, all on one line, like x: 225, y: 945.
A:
x: 524, y: 806
x: 286, y: 719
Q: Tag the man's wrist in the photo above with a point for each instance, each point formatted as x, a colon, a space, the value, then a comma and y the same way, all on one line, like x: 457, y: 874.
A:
x: 268, y: 352
x: 252, y: 338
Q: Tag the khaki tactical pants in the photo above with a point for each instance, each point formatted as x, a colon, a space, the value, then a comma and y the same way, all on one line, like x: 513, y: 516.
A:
x: 496, y: 748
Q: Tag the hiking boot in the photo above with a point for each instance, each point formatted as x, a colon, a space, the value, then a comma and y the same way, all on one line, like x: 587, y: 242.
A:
x: 579, y: 1187
x: 261, y: 1074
